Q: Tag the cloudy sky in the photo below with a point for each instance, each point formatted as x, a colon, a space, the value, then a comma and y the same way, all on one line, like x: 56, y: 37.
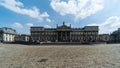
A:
x: 22, y: 14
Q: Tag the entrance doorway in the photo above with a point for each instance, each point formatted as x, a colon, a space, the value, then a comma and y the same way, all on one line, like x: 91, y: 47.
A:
x: 63, y: 36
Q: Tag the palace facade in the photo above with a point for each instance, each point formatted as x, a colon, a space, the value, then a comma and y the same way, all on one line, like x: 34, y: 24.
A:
x: 64, y: 33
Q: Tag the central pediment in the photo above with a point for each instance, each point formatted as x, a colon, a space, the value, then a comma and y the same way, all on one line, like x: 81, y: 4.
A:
x: 64, y: 27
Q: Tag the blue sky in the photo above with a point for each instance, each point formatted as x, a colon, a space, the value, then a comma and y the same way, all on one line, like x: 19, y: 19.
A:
x: 22, y: 14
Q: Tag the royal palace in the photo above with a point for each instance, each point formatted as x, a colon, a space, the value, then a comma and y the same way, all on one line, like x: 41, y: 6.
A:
x: 64, y: 33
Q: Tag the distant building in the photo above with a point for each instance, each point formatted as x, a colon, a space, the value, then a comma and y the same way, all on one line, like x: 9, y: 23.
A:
x: 64, y: 33
x: 115, y: 36
x: 104, y: 37
x: 7, y: 34
x: 22, y: 38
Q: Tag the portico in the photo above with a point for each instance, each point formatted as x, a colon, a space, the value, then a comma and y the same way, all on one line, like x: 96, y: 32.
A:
x: 63, y: 33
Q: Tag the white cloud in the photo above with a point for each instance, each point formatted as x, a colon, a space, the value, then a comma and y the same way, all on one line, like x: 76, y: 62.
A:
x: 18, y: 7
x: 29, y: 24
x: 47, y: 26
x: 79, y: 8
x: 48, y: 20
x: 17, y: 25
x: 110, y: 25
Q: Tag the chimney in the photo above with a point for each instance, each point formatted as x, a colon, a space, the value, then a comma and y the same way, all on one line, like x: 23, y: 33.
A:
x: 63, y: 23
x: 70, y: 25
x: 57, y: 25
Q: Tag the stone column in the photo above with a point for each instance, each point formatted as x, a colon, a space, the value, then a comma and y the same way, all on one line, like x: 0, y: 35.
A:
x: 57, y: 36
x: 70, y: 37
x: 66, y: 36
x: 61, y: 36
